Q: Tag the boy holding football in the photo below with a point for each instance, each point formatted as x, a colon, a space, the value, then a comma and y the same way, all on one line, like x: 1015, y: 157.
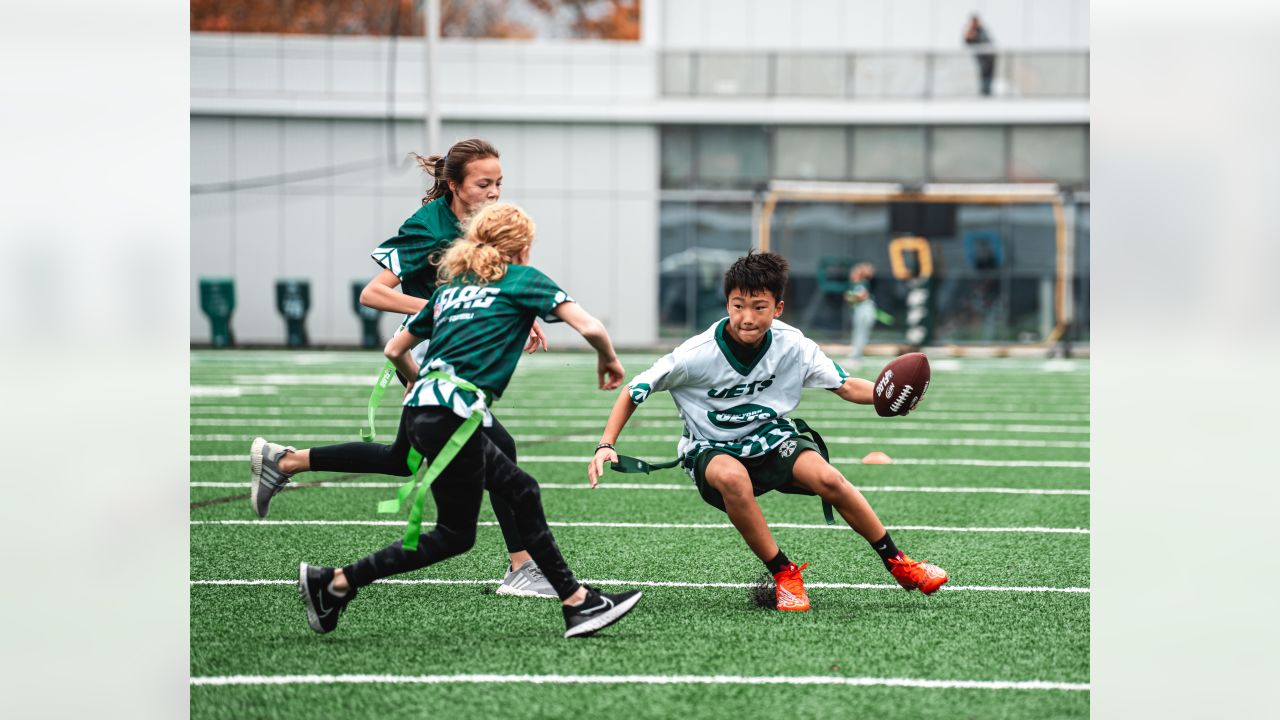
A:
x: 734, y: 384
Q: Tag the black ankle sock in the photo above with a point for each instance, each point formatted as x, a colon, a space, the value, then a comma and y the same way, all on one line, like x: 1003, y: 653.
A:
x: 885, y: 548
x: 778, y: 562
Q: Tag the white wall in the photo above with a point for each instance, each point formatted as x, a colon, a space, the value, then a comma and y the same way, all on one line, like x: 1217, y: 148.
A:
x: 869, y: 24
x: 590, y: 188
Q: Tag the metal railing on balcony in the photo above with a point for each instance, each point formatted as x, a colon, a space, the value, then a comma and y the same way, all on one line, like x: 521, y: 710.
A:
x: 873, y: 75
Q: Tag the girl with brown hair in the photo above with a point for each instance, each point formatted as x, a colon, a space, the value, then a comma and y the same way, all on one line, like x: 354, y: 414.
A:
x: 477, y: 320
x: 465, y: 179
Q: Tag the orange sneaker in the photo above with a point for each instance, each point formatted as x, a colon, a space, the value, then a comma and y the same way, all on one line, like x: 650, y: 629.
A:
x: 913, y: 574
x: 790, y: 589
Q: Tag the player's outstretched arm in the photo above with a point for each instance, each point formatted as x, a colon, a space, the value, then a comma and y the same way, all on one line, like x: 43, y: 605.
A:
x: 397, y: 351
x: 381, y: 294
x: 618, y: 417
x: 609, y: 369
x: 856, y: 390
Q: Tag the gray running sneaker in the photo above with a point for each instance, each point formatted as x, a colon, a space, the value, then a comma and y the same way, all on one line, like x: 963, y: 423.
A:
x: 264, y: 463
x: 527, y: 581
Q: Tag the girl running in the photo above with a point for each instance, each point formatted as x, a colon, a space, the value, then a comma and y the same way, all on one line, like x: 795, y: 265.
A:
x: 466, y: 178
x: 477, y: 321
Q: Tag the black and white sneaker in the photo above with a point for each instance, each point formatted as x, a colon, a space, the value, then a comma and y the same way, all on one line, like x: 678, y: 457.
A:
x: 268, y: 479
x: 323, y: 607
x: 598, y: 611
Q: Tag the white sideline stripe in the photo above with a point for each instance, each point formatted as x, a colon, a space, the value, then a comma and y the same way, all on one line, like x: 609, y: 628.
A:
x: 668, y: 438
x: 672, y: 426
x: 680, y: 584
x: 686, y: 486
x: 638, y: 680
x: 979, y: 462
x: 662, y: 526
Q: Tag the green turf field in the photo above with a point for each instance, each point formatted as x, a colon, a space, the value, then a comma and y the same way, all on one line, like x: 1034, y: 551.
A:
x: 991, y: 481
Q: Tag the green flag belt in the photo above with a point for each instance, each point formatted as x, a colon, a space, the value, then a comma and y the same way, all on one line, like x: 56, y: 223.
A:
x: 425, y: 473
x: 884, y: 317
x: 367, y: 434
x: 627, y: 464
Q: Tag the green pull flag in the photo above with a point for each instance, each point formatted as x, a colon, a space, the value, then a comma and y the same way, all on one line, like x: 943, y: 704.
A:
x: 367, y: 434
x: 627, y: 464
x: 426, y: 473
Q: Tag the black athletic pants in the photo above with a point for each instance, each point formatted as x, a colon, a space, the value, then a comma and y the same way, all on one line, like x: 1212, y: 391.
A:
x: 362, y: 457
x: 478, y: 466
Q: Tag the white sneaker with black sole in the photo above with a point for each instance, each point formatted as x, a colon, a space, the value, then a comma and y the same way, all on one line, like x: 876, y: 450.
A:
x: 598, y: 611
x: 268, y: 479
x: 527, y: 581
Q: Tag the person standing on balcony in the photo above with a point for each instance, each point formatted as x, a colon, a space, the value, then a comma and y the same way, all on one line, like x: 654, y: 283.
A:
x: 977, y: 38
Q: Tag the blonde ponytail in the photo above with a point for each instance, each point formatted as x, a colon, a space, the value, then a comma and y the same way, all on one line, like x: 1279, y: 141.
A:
x: 495, y: 236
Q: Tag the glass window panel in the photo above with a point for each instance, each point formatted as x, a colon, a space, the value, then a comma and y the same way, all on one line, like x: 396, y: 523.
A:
x: 965, y: 154
x: 1080, y: 323
x: 897, y: 75
x: 810, y: 153
x: 736, y: 74
x: 677, y: 157
x: 810, y: 75
x: 889, y: 154
x: 698, y: 241
x: 1057, y: 154
x: 1047, y: 74
x: 732, y: 156
x: 954, y: 75
x: 677, y: 74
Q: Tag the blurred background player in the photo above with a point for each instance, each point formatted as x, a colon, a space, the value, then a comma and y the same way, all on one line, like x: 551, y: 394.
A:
x: 465, y: 178
x: 862, y: 309
x: 978, y: 40
x: 734, y: 384
x: 478, y: 320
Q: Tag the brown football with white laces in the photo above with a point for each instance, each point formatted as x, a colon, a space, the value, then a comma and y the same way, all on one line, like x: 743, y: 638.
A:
x: 901, y: 385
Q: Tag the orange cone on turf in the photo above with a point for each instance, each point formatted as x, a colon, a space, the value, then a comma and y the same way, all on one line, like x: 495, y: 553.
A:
x: 877, y: 458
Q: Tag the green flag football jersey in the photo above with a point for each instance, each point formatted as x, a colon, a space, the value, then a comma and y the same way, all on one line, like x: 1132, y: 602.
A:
x: 410, y: 254
x: 478, y: 332
x: 735, y: 407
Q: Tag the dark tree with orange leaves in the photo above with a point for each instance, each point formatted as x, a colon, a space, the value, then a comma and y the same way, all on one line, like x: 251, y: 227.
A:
x: 602, y: 19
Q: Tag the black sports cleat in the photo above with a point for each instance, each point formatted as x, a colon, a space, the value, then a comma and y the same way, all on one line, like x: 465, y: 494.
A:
x: 323, y: 607
x: 597, y: 612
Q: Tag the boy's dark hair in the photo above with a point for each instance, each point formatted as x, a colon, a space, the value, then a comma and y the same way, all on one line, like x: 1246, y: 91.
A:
x: 756, y: 272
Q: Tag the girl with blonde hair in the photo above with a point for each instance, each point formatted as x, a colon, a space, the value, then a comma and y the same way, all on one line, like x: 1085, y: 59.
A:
x: 477, y: 319
x: 463, y: 180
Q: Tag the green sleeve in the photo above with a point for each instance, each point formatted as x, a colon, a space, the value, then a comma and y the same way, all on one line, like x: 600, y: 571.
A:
x: 422, y: 236
x: 540, y: 295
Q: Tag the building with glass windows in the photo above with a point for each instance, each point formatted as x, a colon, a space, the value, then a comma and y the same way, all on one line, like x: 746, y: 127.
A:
x: 647, y: 164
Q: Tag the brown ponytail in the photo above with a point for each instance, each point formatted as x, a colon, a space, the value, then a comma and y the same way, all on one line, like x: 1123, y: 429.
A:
x: 452, y: 166
x: 496, y: 235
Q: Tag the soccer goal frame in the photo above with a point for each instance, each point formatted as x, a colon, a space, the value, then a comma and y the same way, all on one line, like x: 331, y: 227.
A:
x: 976, y: 193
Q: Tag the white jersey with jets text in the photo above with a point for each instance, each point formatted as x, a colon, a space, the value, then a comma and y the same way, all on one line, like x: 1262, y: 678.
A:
x: 738, y: 408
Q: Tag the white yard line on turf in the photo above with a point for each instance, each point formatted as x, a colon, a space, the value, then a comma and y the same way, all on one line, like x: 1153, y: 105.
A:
x: 578, y: 381
x: 975, y: 462
x: 638, y: 680
x: 226, y: 391
x: 685, y: 486
x: 660, y: 526
x: 352, y: 409
x: 668, y: 438
x: 672, y: 426
x: 677, y: 584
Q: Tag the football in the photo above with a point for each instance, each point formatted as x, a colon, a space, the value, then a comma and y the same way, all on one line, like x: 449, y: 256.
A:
x: 901, y: 385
